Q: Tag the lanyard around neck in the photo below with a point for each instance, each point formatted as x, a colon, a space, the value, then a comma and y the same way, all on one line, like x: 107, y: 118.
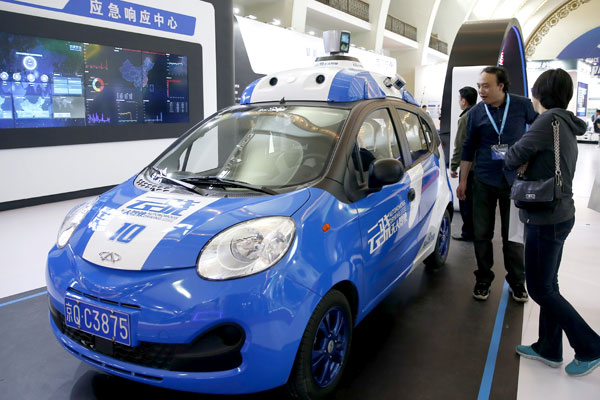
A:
x: 499, y: 132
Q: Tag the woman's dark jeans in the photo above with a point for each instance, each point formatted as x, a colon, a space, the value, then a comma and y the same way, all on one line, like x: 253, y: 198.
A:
x: 543, y: 252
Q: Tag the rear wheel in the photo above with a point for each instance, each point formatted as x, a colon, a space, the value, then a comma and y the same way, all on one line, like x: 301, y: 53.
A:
x: 324, y: 349
x: 437, y: 259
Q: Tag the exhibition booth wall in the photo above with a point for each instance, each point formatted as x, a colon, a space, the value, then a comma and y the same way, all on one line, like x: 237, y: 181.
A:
x: 74, y: 53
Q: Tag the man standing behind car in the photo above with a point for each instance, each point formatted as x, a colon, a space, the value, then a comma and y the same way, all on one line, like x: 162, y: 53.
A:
x: 467, y: 97
x: 493, y: 125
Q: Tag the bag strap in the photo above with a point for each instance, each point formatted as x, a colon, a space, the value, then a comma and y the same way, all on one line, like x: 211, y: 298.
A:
x: 557, y: 173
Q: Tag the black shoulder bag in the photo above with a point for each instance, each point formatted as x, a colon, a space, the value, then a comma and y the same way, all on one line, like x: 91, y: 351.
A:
x: 539, y: 194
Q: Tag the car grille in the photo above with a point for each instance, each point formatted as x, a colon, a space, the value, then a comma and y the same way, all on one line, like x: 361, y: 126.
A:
x: 215, y: 350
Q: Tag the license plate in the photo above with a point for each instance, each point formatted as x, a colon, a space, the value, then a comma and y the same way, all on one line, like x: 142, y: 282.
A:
x: 99, y: 321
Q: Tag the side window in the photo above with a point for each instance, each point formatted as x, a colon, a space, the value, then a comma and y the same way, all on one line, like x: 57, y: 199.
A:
x: 428, y: 132
x: 417, y: 142
x: 376, y: 140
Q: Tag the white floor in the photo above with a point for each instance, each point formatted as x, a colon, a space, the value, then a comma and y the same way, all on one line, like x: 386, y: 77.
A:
x: 579, y: 279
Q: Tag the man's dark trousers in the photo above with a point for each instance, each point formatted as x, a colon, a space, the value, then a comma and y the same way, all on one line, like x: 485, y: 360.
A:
x: 485, y: 198
x: 466, y: 209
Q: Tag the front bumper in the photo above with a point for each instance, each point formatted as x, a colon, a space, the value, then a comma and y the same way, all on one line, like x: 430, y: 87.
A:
x: 172, y: 311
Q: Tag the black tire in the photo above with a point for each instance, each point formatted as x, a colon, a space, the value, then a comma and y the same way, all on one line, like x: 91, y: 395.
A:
x: 304, y: 382
x: 437, y: 259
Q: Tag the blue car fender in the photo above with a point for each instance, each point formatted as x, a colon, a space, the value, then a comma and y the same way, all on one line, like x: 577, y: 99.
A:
x: 328, y: 247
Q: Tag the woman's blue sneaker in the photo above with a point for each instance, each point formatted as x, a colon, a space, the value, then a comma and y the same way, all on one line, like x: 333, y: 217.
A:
x: 580, y: 368
x: 529, y: 352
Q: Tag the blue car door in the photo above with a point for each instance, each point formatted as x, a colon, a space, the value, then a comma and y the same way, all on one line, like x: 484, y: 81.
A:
x: 383, y: 215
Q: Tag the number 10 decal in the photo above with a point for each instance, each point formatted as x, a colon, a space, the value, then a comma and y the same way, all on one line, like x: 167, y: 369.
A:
x: 127, y: 232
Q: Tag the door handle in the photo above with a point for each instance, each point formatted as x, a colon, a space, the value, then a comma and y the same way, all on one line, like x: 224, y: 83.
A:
x: 411, y: 194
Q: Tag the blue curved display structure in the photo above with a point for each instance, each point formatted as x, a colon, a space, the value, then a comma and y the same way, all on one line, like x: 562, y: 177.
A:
x: 494, y: 42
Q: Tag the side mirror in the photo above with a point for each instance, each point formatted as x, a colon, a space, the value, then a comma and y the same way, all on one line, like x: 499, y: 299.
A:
x: 384, y: 172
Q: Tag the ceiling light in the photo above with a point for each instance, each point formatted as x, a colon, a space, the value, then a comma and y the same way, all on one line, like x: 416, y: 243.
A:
x: 312, y: 33
x: 236, y: 10
x: 251, y: 16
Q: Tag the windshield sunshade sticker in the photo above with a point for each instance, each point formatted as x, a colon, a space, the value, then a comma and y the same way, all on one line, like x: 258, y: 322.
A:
x: 123, y: 238
x: 387, y: 226
x: 416, y: 182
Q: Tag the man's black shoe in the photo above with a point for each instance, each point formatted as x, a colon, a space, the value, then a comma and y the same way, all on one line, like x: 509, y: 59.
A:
x: 519, y: 294
x: 462, y: 238
x: 481, y: 291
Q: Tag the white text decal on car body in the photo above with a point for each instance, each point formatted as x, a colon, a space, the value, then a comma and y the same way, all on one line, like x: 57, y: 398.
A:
x: 387, y: 226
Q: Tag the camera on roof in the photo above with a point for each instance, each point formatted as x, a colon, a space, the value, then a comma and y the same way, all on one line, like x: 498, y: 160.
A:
x: 336, y: 42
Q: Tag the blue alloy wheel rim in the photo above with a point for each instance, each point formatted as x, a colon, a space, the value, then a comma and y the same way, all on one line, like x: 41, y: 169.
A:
x: 329, y: 347
x: 444, y: 236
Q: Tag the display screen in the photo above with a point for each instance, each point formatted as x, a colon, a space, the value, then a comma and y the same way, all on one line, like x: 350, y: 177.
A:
x: 56, y: 83
x: 345, y: 42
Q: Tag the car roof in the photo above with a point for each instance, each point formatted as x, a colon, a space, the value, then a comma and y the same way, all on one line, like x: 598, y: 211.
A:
x: 337, y: 79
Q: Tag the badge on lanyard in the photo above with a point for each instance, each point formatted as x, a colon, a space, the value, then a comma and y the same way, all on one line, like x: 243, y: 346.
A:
x: 499, y: 150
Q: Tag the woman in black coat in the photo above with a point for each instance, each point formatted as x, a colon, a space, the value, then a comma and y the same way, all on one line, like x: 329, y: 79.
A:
x: 547, y: 229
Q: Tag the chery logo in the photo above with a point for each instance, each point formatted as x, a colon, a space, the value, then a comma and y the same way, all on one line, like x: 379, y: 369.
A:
x: 109, y: 256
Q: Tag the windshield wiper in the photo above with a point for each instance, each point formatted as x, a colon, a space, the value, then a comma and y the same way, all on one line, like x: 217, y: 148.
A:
x: 215, y: 180
x: 161, y: 175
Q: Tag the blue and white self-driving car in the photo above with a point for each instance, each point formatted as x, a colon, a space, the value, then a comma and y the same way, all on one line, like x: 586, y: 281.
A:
x: 242, y: 258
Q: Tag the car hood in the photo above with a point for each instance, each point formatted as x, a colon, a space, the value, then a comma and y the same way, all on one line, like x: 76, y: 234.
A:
x: 132, y: 229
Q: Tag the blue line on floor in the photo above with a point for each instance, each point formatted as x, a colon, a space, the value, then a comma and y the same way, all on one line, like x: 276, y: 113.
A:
x: 23, y: 298
x: 490, y: 364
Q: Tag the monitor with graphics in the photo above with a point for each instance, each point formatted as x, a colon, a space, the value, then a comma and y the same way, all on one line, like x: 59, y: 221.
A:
x: 48, y: 82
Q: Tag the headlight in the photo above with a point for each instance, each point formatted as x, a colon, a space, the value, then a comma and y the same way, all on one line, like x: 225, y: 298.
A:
x: 246, y: 248
x: 72, y: 221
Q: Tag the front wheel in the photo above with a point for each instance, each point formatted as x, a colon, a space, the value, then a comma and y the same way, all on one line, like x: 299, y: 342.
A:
x: 437, y: 259
x: 324, y: 349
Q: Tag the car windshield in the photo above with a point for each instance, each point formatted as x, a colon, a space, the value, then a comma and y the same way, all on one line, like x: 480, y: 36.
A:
x: 272, y: 147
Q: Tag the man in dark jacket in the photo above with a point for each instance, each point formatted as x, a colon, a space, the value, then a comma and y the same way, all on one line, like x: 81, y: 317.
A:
x: 467, y: 97
x: 494, y: 124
